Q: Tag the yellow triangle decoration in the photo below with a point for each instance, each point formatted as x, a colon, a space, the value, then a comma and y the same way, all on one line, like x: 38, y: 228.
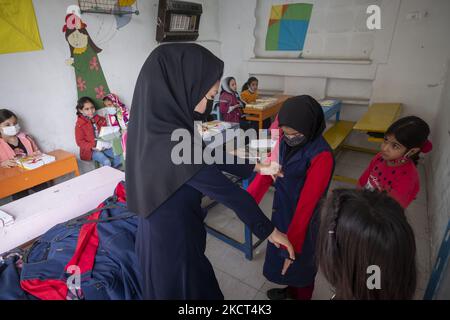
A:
x: 18, y: 27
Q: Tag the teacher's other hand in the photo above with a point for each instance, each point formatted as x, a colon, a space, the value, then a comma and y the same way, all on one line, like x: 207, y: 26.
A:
x: 278, y: 238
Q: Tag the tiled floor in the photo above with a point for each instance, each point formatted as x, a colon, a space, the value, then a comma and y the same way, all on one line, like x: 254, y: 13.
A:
x: 241, y: 279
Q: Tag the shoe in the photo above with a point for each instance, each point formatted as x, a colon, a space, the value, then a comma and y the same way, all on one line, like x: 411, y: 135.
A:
x: 279, y: 294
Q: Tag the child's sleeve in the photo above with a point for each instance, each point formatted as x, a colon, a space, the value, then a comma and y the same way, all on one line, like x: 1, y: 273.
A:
x: 244, y: 96
x: 317, y: 180
x: 81, y: 140
x: 259, y: 186
x: 101, y: 122
x: 224, y: 104
x: 364, y: 177
x: 362, y: 181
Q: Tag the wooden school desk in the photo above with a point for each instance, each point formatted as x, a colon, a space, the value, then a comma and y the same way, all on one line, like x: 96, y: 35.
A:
x: 37, y: 213
x: 378, y: 118
x: 260, y: 115
x: 13, y: 180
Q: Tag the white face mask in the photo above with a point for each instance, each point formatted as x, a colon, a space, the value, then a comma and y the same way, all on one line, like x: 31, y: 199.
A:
x: 111, y: 110
x: 11, y: 130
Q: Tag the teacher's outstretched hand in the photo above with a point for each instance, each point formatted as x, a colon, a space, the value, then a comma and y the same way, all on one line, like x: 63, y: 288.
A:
x: 278, y: 238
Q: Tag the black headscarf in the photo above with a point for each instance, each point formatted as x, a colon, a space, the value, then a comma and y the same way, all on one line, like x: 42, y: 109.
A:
x: 172, y: 81
x: 304, y: 114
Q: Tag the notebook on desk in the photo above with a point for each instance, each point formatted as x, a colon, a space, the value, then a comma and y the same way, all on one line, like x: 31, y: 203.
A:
x: 33, y: 162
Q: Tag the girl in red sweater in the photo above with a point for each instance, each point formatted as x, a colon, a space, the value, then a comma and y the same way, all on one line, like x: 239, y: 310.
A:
x: 394, y: 169
x: 87, y: 129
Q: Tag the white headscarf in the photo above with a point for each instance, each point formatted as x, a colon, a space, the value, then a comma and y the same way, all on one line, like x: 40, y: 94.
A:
x: 225, y: 85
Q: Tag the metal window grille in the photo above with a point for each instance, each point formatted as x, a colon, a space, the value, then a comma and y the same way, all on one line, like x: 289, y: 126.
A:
x: 107, y: 7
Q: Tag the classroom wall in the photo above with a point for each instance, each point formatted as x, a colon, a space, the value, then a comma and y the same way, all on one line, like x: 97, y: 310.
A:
x: 415, y: 70
x: 337, y: 50
x: 402, y: 62
x: 438, y: 170
x: 40, y: 88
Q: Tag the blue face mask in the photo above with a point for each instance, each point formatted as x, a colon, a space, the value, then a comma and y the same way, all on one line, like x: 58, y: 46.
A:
x: 295, y: 141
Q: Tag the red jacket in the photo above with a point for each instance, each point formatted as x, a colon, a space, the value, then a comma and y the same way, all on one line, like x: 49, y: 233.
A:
x: 228, y: 100
x: 85, y: 136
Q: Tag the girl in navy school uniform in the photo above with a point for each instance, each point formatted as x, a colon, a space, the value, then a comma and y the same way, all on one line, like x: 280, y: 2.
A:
x: 171, y: 236
x: 394, y: 169
x: 307, y: 164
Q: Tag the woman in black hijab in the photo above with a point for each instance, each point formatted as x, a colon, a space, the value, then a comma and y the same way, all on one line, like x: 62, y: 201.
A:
x: 175, y: 87
x: 307, y: 162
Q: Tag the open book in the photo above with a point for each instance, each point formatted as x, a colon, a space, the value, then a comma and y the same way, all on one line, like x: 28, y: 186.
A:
x: 212, y: 128
x: 33, y: 162
x: 262, y: 103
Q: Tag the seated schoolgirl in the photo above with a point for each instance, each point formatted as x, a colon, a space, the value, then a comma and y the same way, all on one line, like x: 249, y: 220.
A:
x: 87, y: 130
x: 15, y: 144
x: 119, y: 114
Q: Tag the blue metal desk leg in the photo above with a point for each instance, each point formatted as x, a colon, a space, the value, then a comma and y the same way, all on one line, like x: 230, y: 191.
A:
x: 248, y: 244
x: 338, y: 114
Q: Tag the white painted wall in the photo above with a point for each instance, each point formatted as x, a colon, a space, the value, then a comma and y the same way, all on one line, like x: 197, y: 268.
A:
x: 40, y: 88
x: 337, y: 29
x: 236, y: 25
x: 406, y: 57
x: 416, y: 66
x: 438, y: 171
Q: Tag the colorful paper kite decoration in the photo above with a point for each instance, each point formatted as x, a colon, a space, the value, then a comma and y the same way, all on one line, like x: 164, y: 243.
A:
x: 288, y: 26
x: 18, y: 27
